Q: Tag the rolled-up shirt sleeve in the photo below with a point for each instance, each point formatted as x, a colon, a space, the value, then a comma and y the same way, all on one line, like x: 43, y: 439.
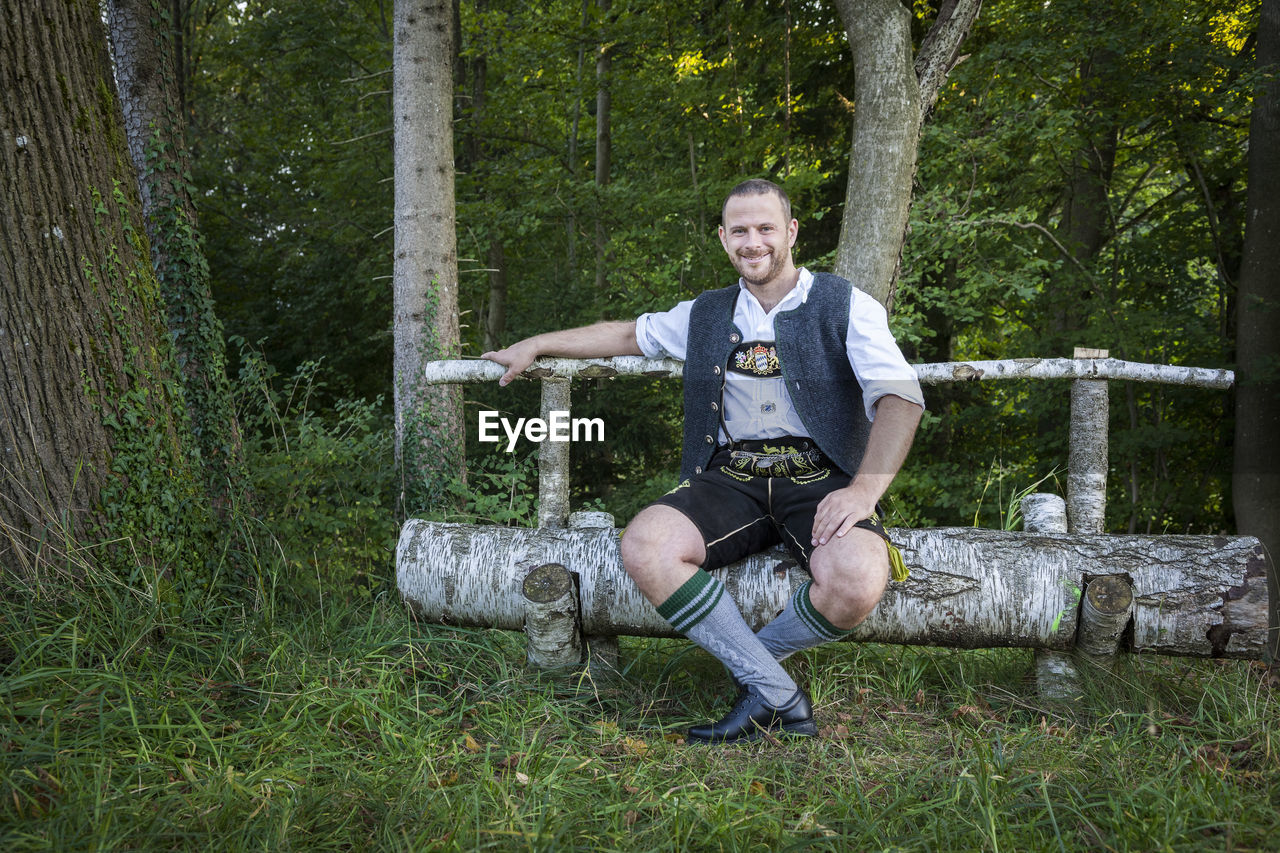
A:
x: 875, y: 357
x: 665, y: 334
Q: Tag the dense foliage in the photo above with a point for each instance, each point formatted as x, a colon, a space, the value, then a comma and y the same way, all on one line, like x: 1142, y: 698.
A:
x: 1080, y: 184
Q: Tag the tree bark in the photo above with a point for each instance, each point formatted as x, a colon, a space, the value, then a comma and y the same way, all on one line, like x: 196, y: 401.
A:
x: 143, y: 45
x: 929, y: 374
x: 93, y: 433
x: 968, y: 588
x: 1256, y: 474
x: 892, y: 96
x: 428, y: 421
x: 604, y: 146
x: 495, y: 315
x: 886, y: 130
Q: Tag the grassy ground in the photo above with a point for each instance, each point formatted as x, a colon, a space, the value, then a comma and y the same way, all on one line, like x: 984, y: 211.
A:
x: 345, y: 725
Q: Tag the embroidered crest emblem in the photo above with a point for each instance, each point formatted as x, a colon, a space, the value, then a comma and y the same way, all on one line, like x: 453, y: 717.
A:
x: 756, y: 359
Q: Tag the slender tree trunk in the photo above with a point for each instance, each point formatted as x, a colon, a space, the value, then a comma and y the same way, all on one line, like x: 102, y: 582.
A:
x: 1085, y: 224
x: 1256, y: 475
x: 146, y: 63
x: 892, y: 95
x: 495, y: 318
x: 93, y: 433
x: 429, y: 429
x: 604, y: 145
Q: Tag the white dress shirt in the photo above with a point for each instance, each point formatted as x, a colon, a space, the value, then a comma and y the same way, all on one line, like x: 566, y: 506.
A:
x: 761, y: 408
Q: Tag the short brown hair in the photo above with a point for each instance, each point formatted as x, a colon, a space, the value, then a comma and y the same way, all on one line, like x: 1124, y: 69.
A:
x: 759, y: 186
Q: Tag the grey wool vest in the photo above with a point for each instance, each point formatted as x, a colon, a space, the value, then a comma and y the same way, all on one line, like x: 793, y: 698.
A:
x: 815, y: 367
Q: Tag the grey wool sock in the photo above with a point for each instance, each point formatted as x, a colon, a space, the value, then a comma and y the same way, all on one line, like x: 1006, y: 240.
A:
x: 702, y: 611
x: 797, y: 628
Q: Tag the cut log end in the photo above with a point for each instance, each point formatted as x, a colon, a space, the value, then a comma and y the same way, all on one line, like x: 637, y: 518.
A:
x: 547, y: 583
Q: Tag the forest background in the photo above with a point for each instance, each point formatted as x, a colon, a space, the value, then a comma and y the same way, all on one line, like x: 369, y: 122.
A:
x: 1081, y: 183
x: 240, y: 669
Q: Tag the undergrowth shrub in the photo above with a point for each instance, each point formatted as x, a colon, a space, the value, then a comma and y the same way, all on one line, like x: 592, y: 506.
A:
x: 322, y: 484
x: 501, y: 488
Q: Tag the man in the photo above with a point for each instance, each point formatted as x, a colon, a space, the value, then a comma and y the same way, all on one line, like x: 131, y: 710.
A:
x: 799, y: 410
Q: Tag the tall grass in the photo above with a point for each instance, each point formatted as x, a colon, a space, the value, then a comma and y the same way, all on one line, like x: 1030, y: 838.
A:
x: 313, y: 712
x: 355, y: 727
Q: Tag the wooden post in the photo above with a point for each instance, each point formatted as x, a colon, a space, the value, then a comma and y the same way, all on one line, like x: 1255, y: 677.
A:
x: 553, y: 459
x: 1087, y: 460
x: 1104, y: 616
x: 602, y: 652
x: 551, y: 621
x: 1057, y: 678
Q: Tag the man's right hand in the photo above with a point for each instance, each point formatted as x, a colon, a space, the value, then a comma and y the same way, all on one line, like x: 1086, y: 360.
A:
x: 516, y: 358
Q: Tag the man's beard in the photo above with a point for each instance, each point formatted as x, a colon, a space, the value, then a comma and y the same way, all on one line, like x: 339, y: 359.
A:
x: 759, y: 276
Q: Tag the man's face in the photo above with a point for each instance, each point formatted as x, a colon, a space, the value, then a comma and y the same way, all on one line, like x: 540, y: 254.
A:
x: 758, y: 238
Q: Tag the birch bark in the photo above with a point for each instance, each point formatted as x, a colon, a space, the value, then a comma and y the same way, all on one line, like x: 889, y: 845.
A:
x: 428, y: 421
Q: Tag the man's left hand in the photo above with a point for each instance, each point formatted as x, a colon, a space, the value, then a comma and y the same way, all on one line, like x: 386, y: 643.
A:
x: 839, y: 512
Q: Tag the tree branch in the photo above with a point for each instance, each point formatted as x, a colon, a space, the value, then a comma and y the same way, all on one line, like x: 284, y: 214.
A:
x: 938, y: 52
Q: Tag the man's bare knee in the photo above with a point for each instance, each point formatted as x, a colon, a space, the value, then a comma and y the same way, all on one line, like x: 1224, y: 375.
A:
x: 849, y: 578
x: 658, y: 542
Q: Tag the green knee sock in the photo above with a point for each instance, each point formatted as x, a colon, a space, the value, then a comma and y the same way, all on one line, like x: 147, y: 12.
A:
x: 798, y: 627
x: 702, y: 611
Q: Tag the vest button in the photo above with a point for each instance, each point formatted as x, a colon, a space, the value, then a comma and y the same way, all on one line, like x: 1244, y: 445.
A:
x: 716, y: 370
x: 734, y: 338
x: 698, y: 470
x: 715, y: 407
x: 709, y: 439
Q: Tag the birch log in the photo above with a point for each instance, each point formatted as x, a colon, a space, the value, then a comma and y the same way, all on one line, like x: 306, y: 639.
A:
x: 551, y: 617
x: 465, y: 371
x: 553, y: 460
x: 968, y: 588
x: 1087, y: 460
x: 1057, y: 677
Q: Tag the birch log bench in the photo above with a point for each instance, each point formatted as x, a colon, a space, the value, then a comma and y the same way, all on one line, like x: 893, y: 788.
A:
x: 1061, y: 586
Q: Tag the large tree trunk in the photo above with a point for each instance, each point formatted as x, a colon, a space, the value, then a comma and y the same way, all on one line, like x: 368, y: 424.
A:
x: 429, y: 429
x: 142, y: 40
x: 892, y: 95
x: 1256, y: 475
x: 93, y: 434
x: 968, y: 588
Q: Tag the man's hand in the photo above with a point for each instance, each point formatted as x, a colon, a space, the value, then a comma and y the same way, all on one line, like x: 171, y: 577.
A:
x: 516, y: 358
x: 887, y: 446
x: 839, y: 511
x: 601, y: 340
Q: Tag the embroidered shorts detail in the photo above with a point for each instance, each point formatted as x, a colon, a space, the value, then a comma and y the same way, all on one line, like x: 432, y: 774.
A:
x: 740, y: 512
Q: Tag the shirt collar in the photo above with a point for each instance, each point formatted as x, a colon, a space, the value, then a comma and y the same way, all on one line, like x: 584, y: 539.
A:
x: 797, y: 295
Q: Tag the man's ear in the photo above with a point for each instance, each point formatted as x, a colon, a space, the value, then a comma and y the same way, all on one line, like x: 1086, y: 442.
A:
x: 793, y: 230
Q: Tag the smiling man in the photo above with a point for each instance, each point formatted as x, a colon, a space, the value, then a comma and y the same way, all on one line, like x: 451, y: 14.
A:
x: 799, y: 409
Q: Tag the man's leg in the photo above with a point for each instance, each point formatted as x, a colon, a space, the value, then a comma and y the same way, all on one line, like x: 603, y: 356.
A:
x: 662, y: 551
x: 849, y: 577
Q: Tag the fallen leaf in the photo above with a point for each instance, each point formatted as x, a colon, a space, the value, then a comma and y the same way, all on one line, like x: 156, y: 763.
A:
x: 631, y: 817
x: 521, y: 778
x: 444, y: 781
x: 470, y: 744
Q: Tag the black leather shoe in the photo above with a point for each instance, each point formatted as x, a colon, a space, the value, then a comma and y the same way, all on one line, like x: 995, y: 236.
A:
x: 751, y: 717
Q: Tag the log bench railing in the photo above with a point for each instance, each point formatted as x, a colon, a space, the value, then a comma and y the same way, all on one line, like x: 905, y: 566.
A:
x: 1060, y: 586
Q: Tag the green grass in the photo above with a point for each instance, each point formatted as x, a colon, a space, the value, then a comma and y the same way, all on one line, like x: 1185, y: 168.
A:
x: 344, y: 724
